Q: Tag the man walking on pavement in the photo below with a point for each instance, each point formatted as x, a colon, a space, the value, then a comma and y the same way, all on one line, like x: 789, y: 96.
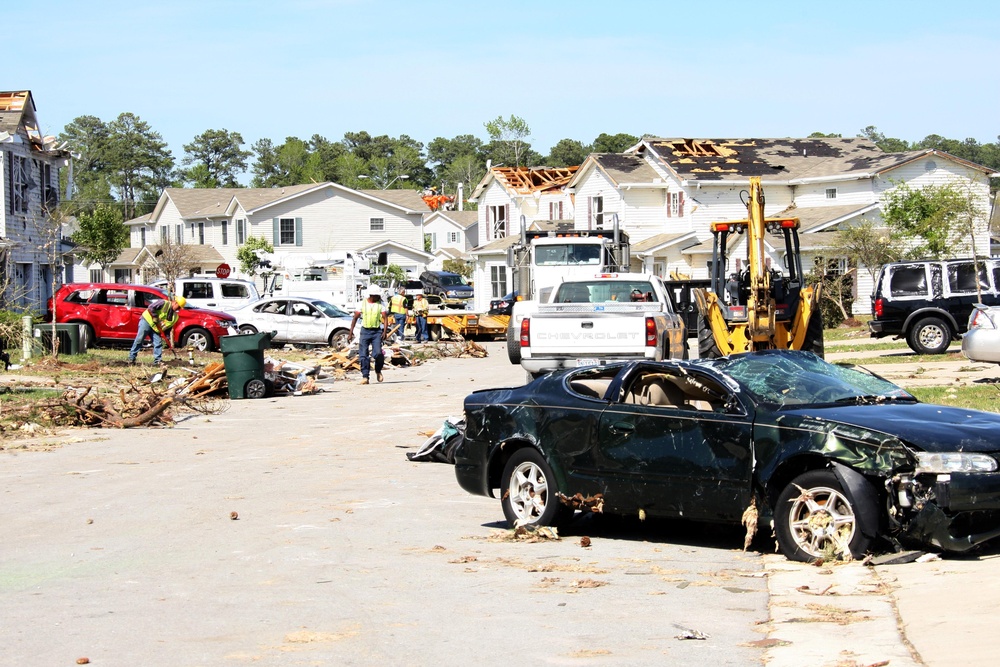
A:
x: 156, y: 322
x: 374, y: 318
x: 397, y: 306
x: 420, y: 310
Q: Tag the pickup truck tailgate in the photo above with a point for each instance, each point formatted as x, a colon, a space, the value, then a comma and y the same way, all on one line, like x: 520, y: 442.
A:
x: 589, y: 329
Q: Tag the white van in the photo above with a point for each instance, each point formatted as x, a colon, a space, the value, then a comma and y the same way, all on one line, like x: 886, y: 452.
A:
x: 223, y: 294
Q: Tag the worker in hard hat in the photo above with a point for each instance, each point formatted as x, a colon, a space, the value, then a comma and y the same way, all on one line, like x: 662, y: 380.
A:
x: 156, y: 322
x: 374, y: 318
x: 397, y: 308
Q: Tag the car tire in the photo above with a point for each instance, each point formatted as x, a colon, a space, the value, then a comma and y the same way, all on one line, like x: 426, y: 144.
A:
x: 338, y: 339
x: 814, y: 335
x: 803, y: 517
x: 931, y: 335
x: 513, y: 344
x: 528, y: 491
x: 248, y: 329
x: 707, y: 348
x: 87, y: 337
x: 199, y: 339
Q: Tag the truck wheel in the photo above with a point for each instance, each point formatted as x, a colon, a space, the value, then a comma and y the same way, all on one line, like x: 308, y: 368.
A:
x: 707, y: 349
x: 814, y: 518
x: 513, y: 345
x: 814, y: 335
x: 931, y: 335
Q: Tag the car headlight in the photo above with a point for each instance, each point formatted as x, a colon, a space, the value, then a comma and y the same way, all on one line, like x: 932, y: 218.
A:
x: 947, y: 462
x: 226, y: 324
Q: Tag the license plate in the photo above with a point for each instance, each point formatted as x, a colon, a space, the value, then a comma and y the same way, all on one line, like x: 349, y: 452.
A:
x: 587, y: 362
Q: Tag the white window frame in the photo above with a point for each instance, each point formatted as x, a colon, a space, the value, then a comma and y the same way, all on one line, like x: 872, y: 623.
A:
x: 142, y: 237
x: 831, y: 193
x: 453, y: 237
x: 96, y: 276
x: 675, y: 204
x: 597, y: 212
x: 241, y: 231
x: 225, y: 232
x: 164, y: 234
x: 198, y: 232
x: 286, y: 231
x: 376, y: 224
x: 497, y: 222
x: 19, y: 183
x: 498, y: 280
x: 179, y: 234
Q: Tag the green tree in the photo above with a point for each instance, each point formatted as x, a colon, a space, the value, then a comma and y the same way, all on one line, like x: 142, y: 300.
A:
x: 887, y: 144
x: 934, y: 217
x: 138, y: 164
x: 508, y: 145
x: 567, y: 153
x: 247, y: 254
x: 221, y: 154
x: 458, y: 266
x: 101, y: 235
x: 613, y: 143
x: 265, y: 165
x: 820, y: 135
x: 869, y: 245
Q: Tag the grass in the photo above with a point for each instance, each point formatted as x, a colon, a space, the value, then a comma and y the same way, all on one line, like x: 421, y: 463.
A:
x: 901, y: 358
x: 975, y: 397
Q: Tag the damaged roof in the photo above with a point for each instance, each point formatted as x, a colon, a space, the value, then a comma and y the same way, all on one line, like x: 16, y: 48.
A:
x: 779, y: 159
x: 14, y: 106
x: 526, y: 180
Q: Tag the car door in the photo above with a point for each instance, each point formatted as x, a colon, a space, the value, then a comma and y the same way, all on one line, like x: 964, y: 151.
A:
x: 690, y: 458
x: 111, y: 315
x: 305, y: 323
x: 271, y: 316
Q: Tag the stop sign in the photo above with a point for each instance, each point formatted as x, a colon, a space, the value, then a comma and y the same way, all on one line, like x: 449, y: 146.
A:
x: 222, y: 271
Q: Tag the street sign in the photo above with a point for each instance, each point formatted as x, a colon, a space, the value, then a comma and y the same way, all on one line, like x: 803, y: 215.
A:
x: 222, y: 271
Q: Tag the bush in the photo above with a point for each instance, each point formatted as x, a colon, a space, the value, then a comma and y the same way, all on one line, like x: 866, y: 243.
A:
x: 11, y: 329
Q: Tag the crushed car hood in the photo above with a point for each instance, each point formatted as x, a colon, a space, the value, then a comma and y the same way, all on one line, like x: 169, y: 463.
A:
x: 933, y: 428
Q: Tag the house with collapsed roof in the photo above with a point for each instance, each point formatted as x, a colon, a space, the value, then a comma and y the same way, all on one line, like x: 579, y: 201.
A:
x: 301, y: 219
x: 666, y: 192
x: 32, y: 250
x: 450, y: 235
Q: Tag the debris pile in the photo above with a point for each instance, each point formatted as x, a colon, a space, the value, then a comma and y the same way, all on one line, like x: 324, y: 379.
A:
x: 345, y: 361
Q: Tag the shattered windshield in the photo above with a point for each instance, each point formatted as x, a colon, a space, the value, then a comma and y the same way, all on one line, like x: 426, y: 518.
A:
x: 801, y: 378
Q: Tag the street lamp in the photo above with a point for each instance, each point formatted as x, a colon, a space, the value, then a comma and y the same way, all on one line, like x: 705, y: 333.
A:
x: 386, y: 186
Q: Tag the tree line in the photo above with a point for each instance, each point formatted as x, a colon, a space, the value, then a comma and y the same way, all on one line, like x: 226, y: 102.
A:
x: 125, y: 163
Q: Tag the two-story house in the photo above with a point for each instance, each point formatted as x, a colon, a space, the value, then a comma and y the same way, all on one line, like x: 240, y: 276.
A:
x: 32, y: 250
x: 450, y: 235
x: 302, y: 219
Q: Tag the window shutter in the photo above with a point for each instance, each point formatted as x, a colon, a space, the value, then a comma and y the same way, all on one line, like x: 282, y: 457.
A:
x: 506, y: 220
x: 298, y: 231
x: 680, y: 206
x: 277, y: 232
x: 670, y: 203
x: 10, y: 179
x: 560, y: 211
x: 590, y: 215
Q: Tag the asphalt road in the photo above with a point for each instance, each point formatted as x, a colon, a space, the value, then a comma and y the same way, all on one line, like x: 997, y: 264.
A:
x: 120, y: 546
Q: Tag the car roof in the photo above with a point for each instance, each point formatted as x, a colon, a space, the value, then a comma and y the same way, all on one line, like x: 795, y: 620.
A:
x: 121, y: 286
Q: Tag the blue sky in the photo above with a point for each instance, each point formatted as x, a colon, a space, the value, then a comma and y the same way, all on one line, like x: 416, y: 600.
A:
x: 570, y: 69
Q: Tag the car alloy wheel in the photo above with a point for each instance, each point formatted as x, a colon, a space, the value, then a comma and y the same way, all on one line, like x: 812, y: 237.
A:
x: 528, y: 491
x: 815, y: 519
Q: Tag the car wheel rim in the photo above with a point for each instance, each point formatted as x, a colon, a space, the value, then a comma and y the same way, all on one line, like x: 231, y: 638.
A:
x: 198, y: 342
x: 931, y: 337
x: 528, y: 492
x: 822, y: 522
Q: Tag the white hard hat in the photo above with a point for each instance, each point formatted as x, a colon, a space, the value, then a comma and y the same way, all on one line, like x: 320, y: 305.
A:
x: 374, y: 291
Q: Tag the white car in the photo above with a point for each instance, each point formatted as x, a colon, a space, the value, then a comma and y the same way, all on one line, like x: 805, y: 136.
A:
x: 982, y: 341
x: 223, y: 294
x: 296, y: 320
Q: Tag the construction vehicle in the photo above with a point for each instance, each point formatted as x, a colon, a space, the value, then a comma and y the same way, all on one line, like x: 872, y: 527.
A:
x: 758, y: 307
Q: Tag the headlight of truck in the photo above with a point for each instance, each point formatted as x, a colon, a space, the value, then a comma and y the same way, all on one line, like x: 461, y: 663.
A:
x: 947, y: 462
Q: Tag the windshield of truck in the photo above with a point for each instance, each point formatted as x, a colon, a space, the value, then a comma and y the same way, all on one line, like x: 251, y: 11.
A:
x: 601, y: 291
x: 567, y: 254
x: 451, y: 280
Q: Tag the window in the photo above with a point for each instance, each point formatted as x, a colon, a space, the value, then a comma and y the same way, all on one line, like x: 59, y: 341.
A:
x: 96, y: 276
x: 225, y: 232
x: 123, y: 275
x: 831, y: 193
x: 241, y: 231
x: 675, y: 204
x: 376, y: 224
x: 197, y: 290
x: 452, y: 237
x: 498, y: 281
x: 179, y: 234
x: 142, y: 237
x: 432, y: 239
x: 962, y: 277
x: 596, y: 213
x: 18, y: 184
x: 496, y: 217
x: 833, y: 266
x: 164, y: 234
x: 286, y: 231
x: 555, y: 210
x: 50, y: 195
x: 198, y: 232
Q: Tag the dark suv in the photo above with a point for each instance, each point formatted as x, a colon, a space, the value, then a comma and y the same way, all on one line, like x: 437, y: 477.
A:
x: 928, y: 302
x: 111, y: 312
x: 451, y: 287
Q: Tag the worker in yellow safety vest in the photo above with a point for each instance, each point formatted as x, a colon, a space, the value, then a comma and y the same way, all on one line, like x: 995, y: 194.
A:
x: 397, y: 306
x: 156, y: 322
x: 374, y: 318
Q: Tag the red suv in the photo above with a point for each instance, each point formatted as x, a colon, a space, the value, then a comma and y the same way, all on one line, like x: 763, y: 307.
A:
x: 111, y: 312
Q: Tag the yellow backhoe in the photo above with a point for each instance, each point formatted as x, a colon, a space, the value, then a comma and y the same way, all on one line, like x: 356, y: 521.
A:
x: 757, y: 307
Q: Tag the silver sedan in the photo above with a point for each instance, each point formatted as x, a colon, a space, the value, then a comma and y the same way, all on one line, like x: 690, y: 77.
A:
x: 296, y: 320
x: 982, y: 342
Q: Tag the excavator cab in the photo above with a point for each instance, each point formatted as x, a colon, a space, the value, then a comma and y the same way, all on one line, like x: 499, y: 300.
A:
x: 757, y: 307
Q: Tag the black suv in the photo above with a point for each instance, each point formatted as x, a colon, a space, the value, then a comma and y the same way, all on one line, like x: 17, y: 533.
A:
x: 451, y: 287
x: 928, y: 302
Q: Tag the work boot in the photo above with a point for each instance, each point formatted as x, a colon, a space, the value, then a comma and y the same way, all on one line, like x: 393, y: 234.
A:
x: 378, y: 376
x: 364, y: 380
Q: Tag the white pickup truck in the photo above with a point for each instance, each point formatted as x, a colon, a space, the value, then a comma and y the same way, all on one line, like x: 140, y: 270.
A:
x: 609, y: 317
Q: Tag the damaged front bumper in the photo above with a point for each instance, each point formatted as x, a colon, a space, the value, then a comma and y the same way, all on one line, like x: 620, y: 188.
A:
x: 953, y: 512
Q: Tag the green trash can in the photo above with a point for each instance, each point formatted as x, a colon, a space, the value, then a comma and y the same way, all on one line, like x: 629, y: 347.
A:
x: 243, y: 358
x: 68, y: 336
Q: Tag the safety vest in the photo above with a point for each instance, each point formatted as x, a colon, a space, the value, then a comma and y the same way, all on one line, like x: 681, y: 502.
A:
x: 371, y: 314
x: 420, y: 307
x: 397, y: 305
x: 166, y: 317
